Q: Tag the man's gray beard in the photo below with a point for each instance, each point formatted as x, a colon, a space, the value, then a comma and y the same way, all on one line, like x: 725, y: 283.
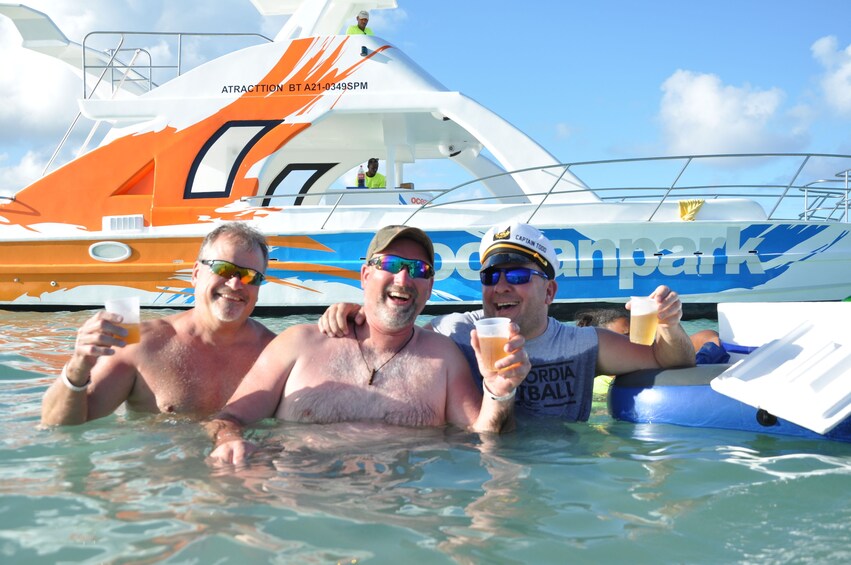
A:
x: 397, y: 318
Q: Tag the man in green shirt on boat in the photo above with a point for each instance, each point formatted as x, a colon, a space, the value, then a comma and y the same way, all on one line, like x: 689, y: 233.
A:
x: 372, y: 178
x: 360, y: 29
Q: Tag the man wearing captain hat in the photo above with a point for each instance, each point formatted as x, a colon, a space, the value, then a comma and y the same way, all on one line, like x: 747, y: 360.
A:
x: 519, y: 265
x: 360, y: 28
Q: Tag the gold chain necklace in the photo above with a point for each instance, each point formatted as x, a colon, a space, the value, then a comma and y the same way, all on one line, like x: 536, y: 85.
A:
x: 374, y: 371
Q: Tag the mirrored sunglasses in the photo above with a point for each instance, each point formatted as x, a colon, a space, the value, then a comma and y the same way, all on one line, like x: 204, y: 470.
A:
x: 417, y: 268
x: 228, y: 270
x: 513, y: 275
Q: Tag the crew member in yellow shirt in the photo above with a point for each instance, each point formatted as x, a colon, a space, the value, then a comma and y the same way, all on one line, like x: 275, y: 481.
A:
x: 360, y: 28
x: 373, y: 178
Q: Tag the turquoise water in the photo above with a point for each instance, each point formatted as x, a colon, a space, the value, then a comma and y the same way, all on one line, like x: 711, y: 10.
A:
x: 138, y: 490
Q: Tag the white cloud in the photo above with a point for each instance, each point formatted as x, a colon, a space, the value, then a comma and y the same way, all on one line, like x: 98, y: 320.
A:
x: 27, y: 170
x: 40, y: 99
x: 384, y: 22
x: 563, y: 131
x: 37, y: 104
x: 836, y: 82
x: 699, y: 114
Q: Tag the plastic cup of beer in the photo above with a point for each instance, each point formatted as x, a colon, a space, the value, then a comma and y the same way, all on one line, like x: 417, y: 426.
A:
x: 493, y: 336
x: 643, y: 319
x: 129, y: 310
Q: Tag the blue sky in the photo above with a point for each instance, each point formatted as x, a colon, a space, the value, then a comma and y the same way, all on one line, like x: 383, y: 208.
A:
x: 587, y: 80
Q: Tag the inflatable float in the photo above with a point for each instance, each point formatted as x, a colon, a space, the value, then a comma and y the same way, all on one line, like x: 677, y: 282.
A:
x: 684, y: 397
x: 797, y: 383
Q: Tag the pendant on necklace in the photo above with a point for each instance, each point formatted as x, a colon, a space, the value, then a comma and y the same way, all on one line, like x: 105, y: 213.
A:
x: 375, y: 370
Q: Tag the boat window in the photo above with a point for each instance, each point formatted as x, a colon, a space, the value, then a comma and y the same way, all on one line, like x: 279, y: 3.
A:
x: 214, y: 169
x: 295, y: 179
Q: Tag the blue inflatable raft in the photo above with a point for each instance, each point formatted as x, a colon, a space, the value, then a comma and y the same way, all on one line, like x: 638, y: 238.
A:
x: 684, y: 397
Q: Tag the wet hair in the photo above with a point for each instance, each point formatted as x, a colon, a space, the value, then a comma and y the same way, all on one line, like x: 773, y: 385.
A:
x: 600, y: 317
x: 242, y: 233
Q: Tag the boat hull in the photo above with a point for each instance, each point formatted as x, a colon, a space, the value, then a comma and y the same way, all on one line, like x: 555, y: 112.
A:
x: 704, y: 263
x: 683, y: 397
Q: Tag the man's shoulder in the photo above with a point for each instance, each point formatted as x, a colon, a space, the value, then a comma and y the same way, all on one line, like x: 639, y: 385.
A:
x: 301, y: 331
x: 156, y: 331
x: 308, y: 335
x: 433, y: 337
x: 188, y: 323
x: 440, y: 346
x: 561, y: 334
x: 263, y: 332
x: 557, y: 328
x: 455, y: 318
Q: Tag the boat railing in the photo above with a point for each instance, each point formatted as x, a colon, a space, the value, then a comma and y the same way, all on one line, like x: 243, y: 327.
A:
x: 139, y: 74
x: 147, y: 74
x: 787, y: 195
x: 826, y: 203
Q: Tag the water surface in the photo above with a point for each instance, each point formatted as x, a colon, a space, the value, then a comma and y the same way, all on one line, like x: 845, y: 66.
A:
x: 138, y: 490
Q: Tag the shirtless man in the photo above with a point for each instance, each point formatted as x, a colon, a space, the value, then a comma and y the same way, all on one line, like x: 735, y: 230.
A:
x: 187, y: 363
x: 387, y: 370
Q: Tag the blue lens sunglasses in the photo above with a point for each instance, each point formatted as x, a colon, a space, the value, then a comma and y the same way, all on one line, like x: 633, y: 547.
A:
x: 417, y: 268
x: 513, y: 275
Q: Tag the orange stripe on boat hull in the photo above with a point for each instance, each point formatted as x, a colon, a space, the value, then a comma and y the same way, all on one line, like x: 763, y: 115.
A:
x: 164, y: 264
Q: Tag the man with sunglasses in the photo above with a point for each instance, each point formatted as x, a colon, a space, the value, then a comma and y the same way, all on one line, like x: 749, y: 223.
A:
x: 187, y: 363
x: 386, y: 370
x: 518, y: 282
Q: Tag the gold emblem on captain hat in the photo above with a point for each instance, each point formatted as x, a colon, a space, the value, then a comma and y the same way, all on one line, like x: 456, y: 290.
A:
x: 506, y: 234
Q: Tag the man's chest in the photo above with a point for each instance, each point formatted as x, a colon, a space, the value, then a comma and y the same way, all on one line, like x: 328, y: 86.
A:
x: 183, y: 382
x: 336, y: 388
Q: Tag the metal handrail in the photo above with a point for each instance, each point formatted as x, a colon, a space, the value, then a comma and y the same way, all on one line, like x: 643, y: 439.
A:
x: 791, y: 182
x: 667, y: 191
x: 91, y: 135
x: 544, y: 199
x: 124, y: 35
x: 127, y: 68
x: 658, y: 194
x: 673, y: 185
x: 334, y: 192
x: 79, y: 113
x: 821, y: 199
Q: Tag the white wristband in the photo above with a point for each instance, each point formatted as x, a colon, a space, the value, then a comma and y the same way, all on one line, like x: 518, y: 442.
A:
x: 71, y: 385
x: 505, y: 398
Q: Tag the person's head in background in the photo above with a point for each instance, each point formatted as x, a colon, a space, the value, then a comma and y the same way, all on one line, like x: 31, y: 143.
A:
x: 371, y: 167
x: 363, y: 19
x: 615, y: 319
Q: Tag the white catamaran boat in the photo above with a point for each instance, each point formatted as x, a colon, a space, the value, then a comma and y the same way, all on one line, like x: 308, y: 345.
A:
x: 266, y: 132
